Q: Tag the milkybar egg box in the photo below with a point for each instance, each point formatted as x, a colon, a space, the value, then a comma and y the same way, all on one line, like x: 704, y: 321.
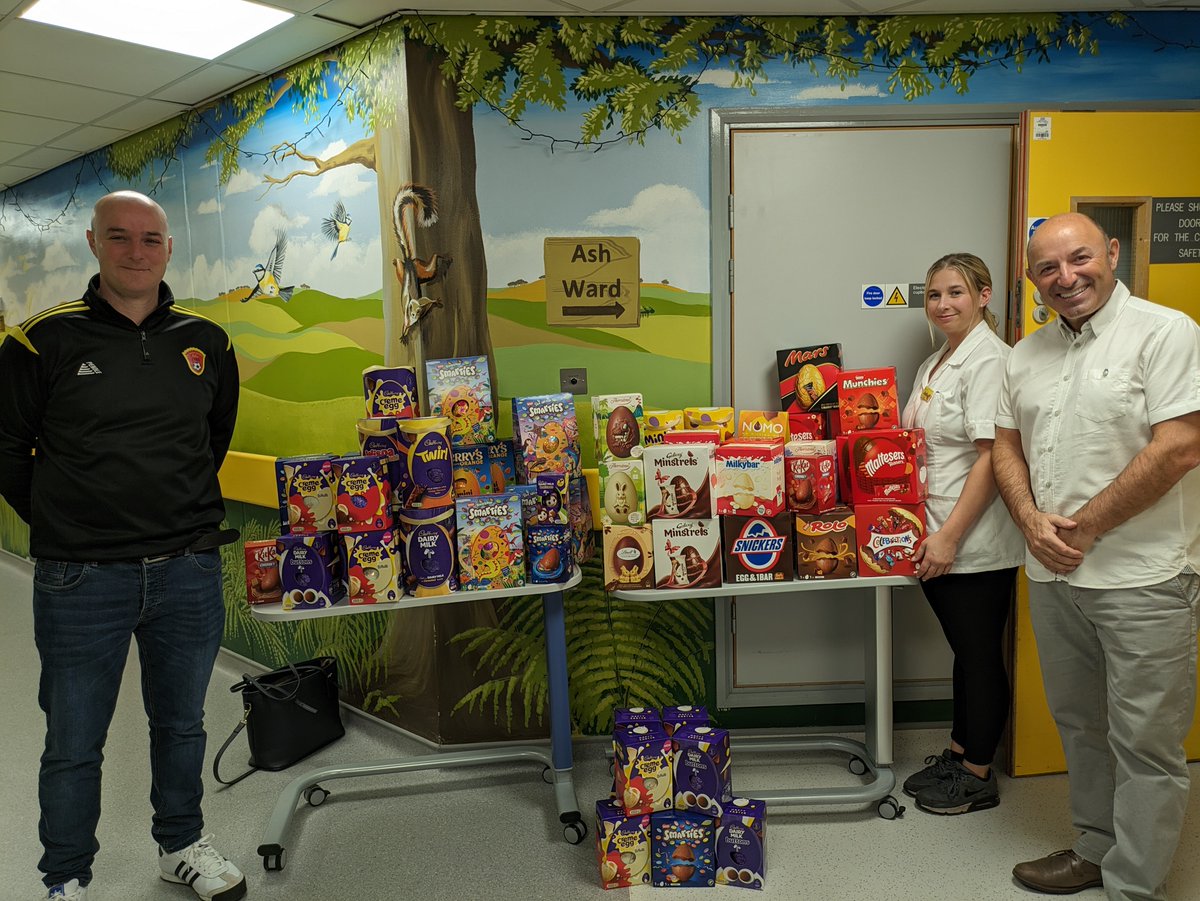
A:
x: 888, y: 465
x: 628, y: 558
x: 548, y: 550
x: 806, y: 426
x: 702, y: 772
x: 471, y: 470
x: 682, y: 850
x: 622, y: 846
x: 758, y: 549
x: 364, y: 494
x: 867, y: 399
x: 754, y: 424
x: 677, y: 481
x: 810, y: 475
x: 826, y: 544
x: 460, y: 389
x: 502, y: 468
x: 491, y: 546
x: 642, y: 767
x: 546, y: 434
x: 428, y: 538
x: 391, y: 391
x: 888, y: 537
x: 741, y: 844
x: 310, y: 571
x: 747, y: 478
x: 721, y: 418
x: 622, y: 493
x: 617, y: 422
x: 373, y: 567
x: 687, y: 553
x: 656, y: 424
x: 583, y: 536
x: 808, y: 377
x: 680, y: 715
x: 307, y: 494
x: 262, y: 573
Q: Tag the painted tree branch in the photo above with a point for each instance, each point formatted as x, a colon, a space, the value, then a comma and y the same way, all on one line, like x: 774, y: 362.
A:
x: 360, y: 152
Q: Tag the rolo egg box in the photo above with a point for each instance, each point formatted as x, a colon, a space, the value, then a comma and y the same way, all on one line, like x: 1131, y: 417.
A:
x: 622, y: 846
x: 677, y: 481
x: 680, y: 715
x: 310, y: 571
x: 681, y: 848
x: 491, y: 547
x: 628, y: 558
x: 373, y: 568
x: 702, y: 772
x: 687, y: 553
x: 617, y: 424
x: 826, y: 544
x: 642, y: 767
x: 742, y: 844
x: 307, y: 494
x: 622, y: 493
x: 548, y: 549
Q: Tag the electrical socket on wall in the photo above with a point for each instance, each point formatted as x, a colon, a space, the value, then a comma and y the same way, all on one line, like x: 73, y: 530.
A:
x: 573, y: 381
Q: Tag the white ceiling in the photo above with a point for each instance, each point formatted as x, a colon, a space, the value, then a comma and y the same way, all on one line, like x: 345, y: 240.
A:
x: 63, y: 93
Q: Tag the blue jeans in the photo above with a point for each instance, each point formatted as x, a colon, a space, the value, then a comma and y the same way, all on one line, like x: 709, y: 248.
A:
x: 84, y: 617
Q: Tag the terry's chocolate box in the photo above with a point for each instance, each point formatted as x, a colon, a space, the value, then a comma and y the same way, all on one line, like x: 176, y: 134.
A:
x: 687, y: 553
x: 888, y: 536
x: 757, y: 549
x: 826, y: 544
x: 888, y: 465
x: 867, y: 399
x: 808, y: 377
x: 628, y: 558
x: 677, y: 484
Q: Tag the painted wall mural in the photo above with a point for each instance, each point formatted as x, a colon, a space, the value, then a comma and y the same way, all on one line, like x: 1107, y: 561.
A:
x: 386, y: 201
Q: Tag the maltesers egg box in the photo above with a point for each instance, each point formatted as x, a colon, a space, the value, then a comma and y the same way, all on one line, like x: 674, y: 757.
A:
x: 867, y: 399
x: 888, y: 465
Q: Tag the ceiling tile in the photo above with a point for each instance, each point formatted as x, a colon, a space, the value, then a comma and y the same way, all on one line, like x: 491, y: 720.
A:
x: 293, y: 40
x: 9, y: 150
x: 59, y: 54
x: 300, y: 6
x: 11, y: 175
x: 45, y: 157
x: 21, y: 94
x: 211, y: 81
x: 141, y: 114
x: 87, y: 137
x: 361, y: 12
x: 32, y: 129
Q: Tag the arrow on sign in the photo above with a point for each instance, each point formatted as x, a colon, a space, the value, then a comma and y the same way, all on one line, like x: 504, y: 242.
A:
x: 615, y: 310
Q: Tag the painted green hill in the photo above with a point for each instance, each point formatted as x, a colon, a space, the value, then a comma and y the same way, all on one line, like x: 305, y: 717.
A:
x: 533, y: 315
x: 302, y: 377
x: 314, y: 307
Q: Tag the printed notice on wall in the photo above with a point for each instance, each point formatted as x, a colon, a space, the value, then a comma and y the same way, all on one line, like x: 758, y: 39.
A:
x: 1175, y: 230
x: 592, y: 281
x: 1041, y: 128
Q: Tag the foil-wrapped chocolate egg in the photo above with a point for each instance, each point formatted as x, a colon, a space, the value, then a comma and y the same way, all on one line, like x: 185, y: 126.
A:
x: 826, y: 552
x: 622, y: 434
x: 550, y: 562
x: 628, y: 554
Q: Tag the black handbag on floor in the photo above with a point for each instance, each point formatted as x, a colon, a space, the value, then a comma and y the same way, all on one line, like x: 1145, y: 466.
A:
x: 289, y: 713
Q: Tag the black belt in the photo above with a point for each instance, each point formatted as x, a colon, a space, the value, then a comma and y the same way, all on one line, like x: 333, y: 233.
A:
x: 209, y: 542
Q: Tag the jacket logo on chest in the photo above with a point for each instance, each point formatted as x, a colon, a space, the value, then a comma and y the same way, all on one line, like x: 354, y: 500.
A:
x: 195, y: 360
x: 89, y: 368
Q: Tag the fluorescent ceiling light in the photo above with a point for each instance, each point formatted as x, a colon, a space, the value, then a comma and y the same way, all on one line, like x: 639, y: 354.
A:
x: 203, y: 28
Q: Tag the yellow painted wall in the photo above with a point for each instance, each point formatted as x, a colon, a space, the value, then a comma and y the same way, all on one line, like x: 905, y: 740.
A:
x: 1098, y: 154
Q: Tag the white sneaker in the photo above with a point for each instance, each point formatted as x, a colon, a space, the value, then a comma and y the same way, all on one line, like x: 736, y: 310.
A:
x: 210, y: 875
x: 70, y: 890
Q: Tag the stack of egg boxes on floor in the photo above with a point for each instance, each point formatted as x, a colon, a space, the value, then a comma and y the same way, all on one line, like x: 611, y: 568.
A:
x: 672, y: 820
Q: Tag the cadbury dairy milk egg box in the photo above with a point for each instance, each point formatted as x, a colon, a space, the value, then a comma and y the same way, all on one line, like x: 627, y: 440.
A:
x: 680, y: 715
x: 373, y: 567
x: 545, y: 434
x: 682, y: 850
x: 628, y: 557
x: 622, y: 493
x: 702, y: 771
x: 642, y: 756
x: 742, y: 844
x: 622, y: 846
x: 429, y: 542
x: 460, y: 389
x: 677, y: 481
x: 687, y: 553
x: 491, y: 545
x: 391, y: 391
x: 757, y: 549
x: 307, y: 488
x: 548, y: 552
x: 310, y: 570
x: 617, y: 425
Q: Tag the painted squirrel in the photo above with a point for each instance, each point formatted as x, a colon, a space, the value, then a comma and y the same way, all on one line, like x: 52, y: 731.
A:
x: 413, y: 273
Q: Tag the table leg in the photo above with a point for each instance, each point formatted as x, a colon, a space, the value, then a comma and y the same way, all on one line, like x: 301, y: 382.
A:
x: 560, y: 717
x: 877, y: 657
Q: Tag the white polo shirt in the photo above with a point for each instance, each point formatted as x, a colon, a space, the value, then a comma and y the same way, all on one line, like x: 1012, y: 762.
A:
x: 1084, y: 405
x: 955, y: 408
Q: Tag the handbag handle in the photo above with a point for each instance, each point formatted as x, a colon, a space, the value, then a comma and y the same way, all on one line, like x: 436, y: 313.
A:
x: 221, y: 753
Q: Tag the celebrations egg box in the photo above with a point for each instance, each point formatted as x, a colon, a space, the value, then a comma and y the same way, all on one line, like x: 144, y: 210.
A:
x: 888, y: 465
x: 888, y: 536
x: 687, y: 553
x: 867, y: 399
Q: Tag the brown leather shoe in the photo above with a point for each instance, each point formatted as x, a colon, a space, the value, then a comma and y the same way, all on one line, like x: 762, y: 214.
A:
x: 1061, y: 873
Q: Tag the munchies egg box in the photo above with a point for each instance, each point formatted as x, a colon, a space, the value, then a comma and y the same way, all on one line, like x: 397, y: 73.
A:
x: 307, y: 489
x: 628, y: 558
x: 622, y: 493
x: 681, y: 847
x: 741, y: 844
x: 867, y: 399
x: 677, y: 481
x: 747, y: 478
x: 460, y: 389
x: 810, y: 475
x: 888, y: 465
x: 491, y: 545
x: 808, y: 377
x: 642, y: 757
x: 546, y: 434
x: 826, y: 544
x: 618, y: 426
x: 757, y: 549
x: 622, y: 846
x: 687, y: 553
x: 888, y: 536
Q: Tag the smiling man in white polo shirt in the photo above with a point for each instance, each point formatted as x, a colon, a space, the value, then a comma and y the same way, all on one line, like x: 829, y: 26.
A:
x: 1097, y: 444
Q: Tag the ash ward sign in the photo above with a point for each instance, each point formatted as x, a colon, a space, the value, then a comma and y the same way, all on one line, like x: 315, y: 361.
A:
x: 592, y: 281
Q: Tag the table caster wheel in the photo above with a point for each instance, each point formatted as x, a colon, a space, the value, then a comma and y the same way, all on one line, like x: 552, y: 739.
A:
x: 857, y: 765
x: 547, y: 775
x: 889, y: 809
x: 575, y: 832
x: 273, y: 858
x: 315, y: 795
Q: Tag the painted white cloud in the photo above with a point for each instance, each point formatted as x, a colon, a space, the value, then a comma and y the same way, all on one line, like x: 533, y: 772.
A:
x: 58, y: 256
x: 242, y: 182
x: 342, y: 182
x: 718, y: 78
x: 208, y: 206
x: 837, y: 92
x: 270, y: 220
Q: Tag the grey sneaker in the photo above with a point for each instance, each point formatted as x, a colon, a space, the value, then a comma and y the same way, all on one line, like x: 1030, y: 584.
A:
x: 70, y: 890
x: 937, y: 770
x: 210, y: 875
x: 962, y: 792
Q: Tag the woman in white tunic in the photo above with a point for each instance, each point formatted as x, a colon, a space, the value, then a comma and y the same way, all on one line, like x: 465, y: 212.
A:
x: 968, y: 561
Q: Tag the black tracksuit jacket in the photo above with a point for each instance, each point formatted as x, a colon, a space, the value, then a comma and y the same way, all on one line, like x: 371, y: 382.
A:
x: 129, y: 425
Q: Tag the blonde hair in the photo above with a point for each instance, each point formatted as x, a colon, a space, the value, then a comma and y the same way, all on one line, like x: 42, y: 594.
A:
x: 974, y: 272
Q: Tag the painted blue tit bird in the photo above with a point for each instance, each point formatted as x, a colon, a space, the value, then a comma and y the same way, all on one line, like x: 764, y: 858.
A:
x: 337, y: 227
x: 270, y: 275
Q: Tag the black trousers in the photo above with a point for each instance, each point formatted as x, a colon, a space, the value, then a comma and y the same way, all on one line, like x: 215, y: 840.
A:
x: 973, y: 610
